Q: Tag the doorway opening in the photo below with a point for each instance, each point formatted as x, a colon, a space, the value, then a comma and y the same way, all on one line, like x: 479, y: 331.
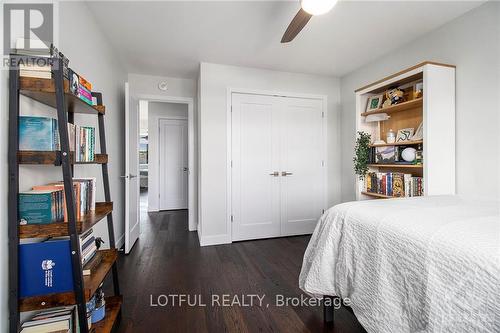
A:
x: 163, y: 156
x: 142, y: 159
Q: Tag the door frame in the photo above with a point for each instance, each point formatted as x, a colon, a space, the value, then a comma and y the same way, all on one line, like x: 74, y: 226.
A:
x: 192, y: 195
x: 158, y: 128
x: 229, y: 140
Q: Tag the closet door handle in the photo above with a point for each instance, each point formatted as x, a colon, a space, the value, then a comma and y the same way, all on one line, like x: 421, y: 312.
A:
x: 286, y: 173
x: 275, y: 174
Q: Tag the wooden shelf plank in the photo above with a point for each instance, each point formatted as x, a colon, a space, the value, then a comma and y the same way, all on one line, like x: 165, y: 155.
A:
x: 377, y: 195
x: 415, y: 103
x: 90, y: 282
x: 53, y: 158
x: 405, y: 143
x: 102, y: 209
x: 410, y: 166
x: 43, y: 91
x: 113, y: 308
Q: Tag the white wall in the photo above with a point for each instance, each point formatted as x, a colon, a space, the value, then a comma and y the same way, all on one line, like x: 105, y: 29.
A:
x: 157, y: 111
x: 472, y: 43
x: 214, y: 81
x: 96, y: 62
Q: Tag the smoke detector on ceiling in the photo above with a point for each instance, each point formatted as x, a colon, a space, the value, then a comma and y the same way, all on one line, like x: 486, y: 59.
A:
x: 162, y: 85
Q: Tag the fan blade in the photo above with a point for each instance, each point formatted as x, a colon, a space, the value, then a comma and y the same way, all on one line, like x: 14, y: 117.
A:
x: 298, y: 23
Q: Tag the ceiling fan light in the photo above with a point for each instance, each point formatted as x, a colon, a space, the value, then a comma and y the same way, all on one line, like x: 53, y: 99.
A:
x: 317, y: 7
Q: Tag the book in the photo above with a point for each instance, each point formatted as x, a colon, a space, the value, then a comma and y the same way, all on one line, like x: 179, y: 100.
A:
x: 77, y: 84
x: 91, y: 266
x: 45, y: 268
x: 38, y: 133
x: 55, y: 187
x: 35, y: 74
x: 41, y: 207
x: 71, y: 136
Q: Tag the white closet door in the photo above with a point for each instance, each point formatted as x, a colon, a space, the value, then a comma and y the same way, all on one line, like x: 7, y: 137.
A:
x: 173, y: 166
x: 302, y: 180
x: 255, y: 157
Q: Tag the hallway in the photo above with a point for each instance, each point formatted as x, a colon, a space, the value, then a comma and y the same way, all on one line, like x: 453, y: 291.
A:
x: 167, y: 260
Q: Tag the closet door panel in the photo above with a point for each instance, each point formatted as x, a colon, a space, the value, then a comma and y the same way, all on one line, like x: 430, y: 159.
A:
x: 255, y: 156
x: 302, y: 184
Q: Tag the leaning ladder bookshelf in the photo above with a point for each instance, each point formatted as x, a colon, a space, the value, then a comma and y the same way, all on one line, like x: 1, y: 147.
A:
x: 55, y: 92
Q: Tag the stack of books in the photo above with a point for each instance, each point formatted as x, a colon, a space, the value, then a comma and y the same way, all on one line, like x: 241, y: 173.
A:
x: 46, y: 204
x: 394, y: 184
x: 88, y: 249
x: 80, y: 87
x: 84, y: 141
x: 85, y: 195
x: 30, y: 69
x: 36, y: 61
x: 42, y: 134
x: 53, y: 320
x: 41, y: 206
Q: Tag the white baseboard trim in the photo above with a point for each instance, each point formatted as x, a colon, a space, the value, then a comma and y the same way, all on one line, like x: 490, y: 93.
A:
x: 120, y: 241
x: 215, y: 239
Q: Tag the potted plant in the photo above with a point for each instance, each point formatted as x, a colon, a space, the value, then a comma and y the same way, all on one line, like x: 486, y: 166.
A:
x: 362, y: 152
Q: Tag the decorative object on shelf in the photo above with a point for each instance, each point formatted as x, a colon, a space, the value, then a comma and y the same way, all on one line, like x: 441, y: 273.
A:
x: 385, y: 155
x: 419, y: 134
x: 361, y: 157
x: 393, y: 96
x: 408, y: 154
x: 374, y: 102
x: 98, y: 312
x: 391, y: 136
x: 405, y: 134
x: 418, y: 90
x: 419, y: 155
x: 377, y: 117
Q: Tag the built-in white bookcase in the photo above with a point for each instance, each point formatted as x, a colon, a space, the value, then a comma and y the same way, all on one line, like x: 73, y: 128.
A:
x: 435, y: 108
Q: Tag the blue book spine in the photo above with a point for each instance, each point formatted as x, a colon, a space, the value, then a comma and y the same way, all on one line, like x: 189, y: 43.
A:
x: 36, y: 133
x: 45, y: 268
x: 36, y: 208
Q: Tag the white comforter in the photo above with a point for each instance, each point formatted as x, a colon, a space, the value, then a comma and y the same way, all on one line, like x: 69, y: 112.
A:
x: 429, y: 264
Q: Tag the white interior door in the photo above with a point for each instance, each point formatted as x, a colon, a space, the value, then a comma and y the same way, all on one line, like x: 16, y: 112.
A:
x: 132, y: 221
x: 173, y: 164
x: 255, y: 167
x: 302, y: 165
x: 277, y: 174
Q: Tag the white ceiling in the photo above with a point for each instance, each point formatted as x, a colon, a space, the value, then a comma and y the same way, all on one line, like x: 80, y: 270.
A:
x: 172, y: 38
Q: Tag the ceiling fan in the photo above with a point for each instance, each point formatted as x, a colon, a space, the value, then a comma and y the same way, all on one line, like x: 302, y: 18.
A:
x: 309, y: 8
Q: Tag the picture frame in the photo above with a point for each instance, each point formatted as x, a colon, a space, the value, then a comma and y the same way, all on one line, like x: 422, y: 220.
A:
x: 419, y: 133
x: 405, y: 134
x: 374, y: 102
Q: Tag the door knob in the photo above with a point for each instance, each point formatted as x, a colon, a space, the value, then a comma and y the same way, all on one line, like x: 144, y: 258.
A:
x: 275, y: 174
x: 185, y: 169
x: 286, y: 173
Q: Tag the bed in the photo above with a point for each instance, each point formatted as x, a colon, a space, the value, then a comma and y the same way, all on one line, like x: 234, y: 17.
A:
x: 428, y: 264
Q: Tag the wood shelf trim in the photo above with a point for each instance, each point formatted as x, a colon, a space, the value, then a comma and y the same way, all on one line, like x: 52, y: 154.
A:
x: 406, y: 143
x: 113, y: 309
x: 413, y: 104
x: 377, y: 195
x: 54, y: 158
x: 102, y: 210
x: 411, y: 166
x: 90, y: 282
x: 403, y: 72
x: 44, y: 91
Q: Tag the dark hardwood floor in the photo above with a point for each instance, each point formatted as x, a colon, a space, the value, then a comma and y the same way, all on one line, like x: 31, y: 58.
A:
x: 167, y: 260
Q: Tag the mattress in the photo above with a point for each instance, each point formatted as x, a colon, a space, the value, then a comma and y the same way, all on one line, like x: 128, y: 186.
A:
x: 427, y: 264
